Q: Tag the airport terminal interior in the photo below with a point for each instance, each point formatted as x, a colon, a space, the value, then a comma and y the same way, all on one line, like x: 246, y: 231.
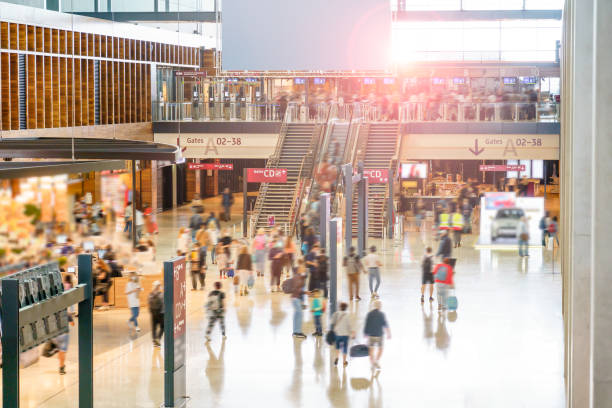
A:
x: 358, y: 203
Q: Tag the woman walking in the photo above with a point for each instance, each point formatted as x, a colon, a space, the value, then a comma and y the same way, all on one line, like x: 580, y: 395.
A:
x: 277, y: 256
x: 245, y: 269
x: 342, y: 326
x: 259, y: 249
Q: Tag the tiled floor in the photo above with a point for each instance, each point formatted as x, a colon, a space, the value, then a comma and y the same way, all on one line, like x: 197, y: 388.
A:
x: 505, y: 348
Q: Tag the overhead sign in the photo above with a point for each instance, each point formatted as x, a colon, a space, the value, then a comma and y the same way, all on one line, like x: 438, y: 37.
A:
x: 190, y: 74
x: 376, y: 176
x: 221, y: 145
x: 267, y: 175
x: 502, y: 167
x: 210, y: 166
x: 480, y: 147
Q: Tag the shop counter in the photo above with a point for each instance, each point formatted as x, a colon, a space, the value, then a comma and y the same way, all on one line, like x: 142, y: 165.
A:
x: 117, y: 296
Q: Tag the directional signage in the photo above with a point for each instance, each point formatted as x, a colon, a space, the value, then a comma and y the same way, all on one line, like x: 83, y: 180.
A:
x: 267, y: 175
x: 190, y: 74
x: 502, y: 167
x: 210, y: 166
x: 480, y: 147
x: 376, y: 176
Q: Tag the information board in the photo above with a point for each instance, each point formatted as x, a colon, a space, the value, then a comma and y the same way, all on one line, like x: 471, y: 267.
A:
x: 210, y: 166
x: 267, y: 175
x: 175, y: 339
x: 376, y: 176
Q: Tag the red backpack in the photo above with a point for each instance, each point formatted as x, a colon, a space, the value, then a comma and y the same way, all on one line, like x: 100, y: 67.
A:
x: 552, y: 228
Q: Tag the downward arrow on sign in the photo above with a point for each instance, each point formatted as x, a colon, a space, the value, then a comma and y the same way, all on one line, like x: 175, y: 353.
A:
x: 475, y: 150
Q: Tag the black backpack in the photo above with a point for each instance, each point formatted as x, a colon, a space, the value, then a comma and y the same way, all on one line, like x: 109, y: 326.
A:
x: 427, y: 264
x: 156, y: 302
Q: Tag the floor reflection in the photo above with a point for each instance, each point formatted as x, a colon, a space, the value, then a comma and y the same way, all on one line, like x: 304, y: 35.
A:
x: 215, y: 368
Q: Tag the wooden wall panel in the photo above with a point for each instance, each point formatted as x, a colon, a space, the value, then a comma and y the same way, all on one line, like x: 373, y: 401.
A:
x: 62, y: 41
x: 56, y: 92
x: 4, y: 35
x: 14, y: 72
x: 103, y: 94
x: 69, y: 43
x: 13, y: 36
x: 31, y: 38
x: 30, y: 91
x: 65, y: 105
x: 48, y: 87
x: 116, y: 105
x: 78, y: 98
x: 47, y: 39
x: 40, y: 41
x: 55, y: 41
x: 84, y: 94
x: 148, y: 92
x: 22, y: 37
x: 40, y: 92
x: 5, y: 90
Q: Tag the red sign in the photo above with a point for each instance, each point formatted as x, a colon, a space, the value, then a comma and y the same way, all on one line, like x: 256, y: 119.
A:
x: 180, y: 297
x: 271, y: 221
x: 502, y: 167
x: 210, y: 166
x: 377, y: 176
x: 266, y: 175
x: 190, y: 73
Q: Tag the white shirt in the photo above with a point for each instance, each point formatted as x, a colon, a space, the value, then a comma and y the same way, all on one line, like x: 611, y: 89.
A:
x: 343, y: 326
x: 139, y: 218
x: 371, y: 260
x: 134, y: 297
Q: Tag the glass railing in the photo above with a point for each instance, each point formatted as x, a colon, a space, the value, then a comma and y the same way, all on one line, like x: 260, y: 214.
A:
x: 295, y: 112
x: 479, y: 112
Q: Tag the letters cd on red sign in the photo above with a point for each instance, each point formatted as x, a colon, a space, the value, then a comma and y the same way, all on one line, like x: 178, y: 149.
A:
x: 267, y: 175
x: 376, y: 176
x: 210, y: 166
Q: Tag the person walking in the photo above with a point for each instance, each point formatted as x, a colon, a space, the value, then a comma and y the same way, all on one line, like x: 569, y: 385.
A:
x: 259, y: 249
x: 457, y: 225
x: 156, y: 308
x: 132, y: 290
x: 353, y: 267
x: 203, y: 240
x: 445, y: 246
x: 213, y: 239
x: 427, y: 278
x: 322, y: 271
x: 342, y: 326
x: 216, y: 310
x: 244, y: 267
x: 128, y: 216
x: 553, y: 229
x: 318, y: 307
x: 444, y: 220
x: 544, y: 222
x: 297, y: 291
x: 290, y: 254
x: 139, y: 223
x: 213, y: 219
x: 372, y: 262
x: 443, y: 274
x: 195, y: 223
x: 183, y: 242
x: 277, y: 258
x: 523, y: 234
x: 312, y: 265
x: 375, y: 327
x: 227, y: 200
x: 196, y: 268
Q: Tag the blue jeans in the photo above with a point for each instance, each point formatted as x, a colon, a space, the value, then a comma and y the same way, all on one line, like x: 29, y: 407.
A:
x: 342, y: 343
x: 128, y: 227
x: 374, y: 274
x: 297, y: 315
x: 317, y: 321
x: 523, y: 247
x: 442, y: 289
x: 134, y: 319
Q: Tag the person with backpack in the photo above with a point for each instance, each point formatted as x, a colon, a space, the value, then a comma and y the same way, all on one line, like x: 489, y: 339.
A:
x: 443, y: 274
x: 544, y: 222
x: 353, y: 267
x: 195, y: 223
x: 318, y: 307
x: 374, y: 328
x: 156, y: 308
x: 427, y: 278
x: 215, y: 306
x: 342, y: 326
x: 373, y: 263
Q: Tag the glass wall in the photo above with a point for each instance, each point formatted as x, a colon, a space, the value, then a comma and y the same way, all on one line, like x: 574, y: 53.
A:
x: 506, y: 40
x: 422, y: 5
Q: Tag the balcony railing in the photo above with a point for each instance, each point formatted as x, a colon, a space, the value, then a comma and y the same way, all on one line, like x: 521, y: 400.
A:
x: 360, y: 111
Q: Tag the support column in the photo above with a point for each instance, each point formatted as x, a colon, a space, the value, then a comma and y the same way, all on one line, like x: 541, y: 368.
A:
x: 362, y: 216
x: 347, y: 171
x: 333, y: 266
x: 174, y: 187
x: 86, y: 389
x: 324, y: 214
x: 10, y: 343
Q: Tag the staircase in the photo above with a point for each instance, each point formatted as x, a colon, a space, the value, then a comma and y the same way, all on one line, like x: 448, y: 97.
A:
x: 295, y: 153
x: 378, y: 149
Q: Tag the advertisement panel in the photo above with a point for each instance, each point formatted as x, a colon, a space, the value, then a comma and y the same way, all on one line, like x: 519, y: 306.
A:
x: 267, y: 175
x: 499, y: 219
x: 413, y: 170
x: 175, y: 339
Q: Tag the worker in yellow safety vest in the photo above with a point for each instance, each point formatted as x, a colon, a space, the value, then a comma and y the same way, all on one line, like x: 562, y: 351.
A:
x: 444, y: 220
x: 457, y: 226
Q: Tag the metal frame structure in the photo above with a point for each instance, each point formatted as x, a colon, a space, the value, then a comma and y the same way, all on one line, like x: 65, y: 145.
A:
x: 14, y: 318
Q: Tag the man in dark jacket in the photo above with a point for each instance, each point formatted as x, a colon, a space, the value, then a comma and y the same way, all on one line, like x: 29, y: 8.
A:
x: 156, y: 308
x: 227, y: 200
x: 374, y: 328
x: 446, y: 246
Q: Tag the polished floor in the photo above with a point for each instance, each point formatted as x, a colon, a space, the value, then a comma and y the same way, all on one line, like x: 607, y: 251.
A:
x: 505, y: 348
